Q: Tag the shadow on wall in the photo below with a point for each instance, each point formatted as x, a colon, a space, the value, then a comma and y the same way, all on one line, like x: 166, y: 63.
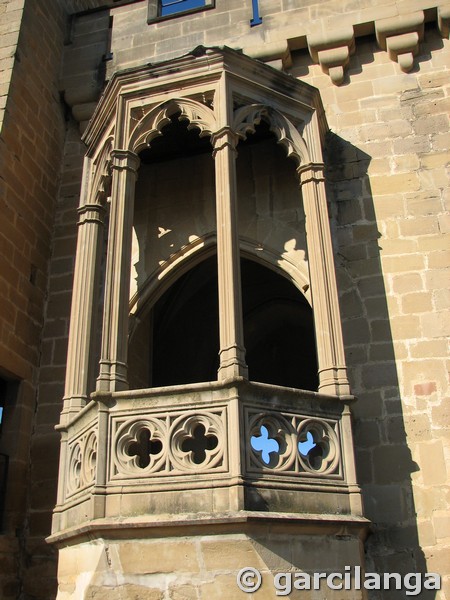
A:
x: 383, y: 458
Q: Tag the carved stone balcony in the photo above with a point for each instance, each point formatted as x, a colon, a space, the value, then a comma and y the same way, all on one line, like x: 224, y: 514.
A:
x: 212, y: 448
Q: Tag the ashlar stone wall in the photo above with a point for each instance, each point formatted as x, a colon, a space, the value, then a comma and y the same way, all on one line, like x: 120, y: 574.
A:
x: 32, y: 131
x: 388, y: 160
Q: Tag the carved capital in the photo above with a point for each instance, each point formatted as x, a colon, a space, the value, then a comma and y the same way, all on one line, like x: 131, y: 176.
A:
x: 91, y: 213
x: 311, y: 172
x: 224, y: 138
x: 125, y: 160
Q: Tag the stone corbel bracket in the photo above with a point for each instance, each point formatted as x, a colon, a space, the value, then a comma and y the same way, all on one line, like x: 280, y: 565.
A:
x: 443, y: 15
x: 400, y: 37
x: 277, y: 54
x: 332, y: 50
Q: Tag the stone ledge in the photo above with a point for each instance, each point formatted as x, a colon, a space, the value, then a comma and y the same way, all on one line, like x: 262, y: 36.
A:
x: 212, y: 524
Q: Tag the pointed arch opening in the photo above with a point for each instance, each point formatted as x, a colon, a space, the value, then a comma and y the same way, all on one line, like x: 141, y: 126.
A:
x: 177, y: 341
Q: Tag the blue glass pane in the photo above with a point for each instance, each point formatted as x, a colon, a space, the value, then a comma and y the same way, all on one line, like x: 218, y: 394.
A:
x: 171, y: 7
x: 1, y: 414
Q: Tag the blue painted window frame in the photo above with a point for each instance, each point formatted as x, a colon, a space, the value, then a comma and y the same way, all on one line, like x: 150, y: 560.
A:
x: 160, y: 10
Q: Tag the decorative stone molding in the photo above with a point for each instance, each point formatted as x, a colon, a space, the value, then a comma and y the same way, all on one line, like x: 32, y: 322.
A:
x: 246, y: 118
x: 151, y: 124
x: 400, y: 37
x: 140, y: 447
x: 82, y: 463
x: 168, y: 444
x: 332, y: 50
x: 197, y: 441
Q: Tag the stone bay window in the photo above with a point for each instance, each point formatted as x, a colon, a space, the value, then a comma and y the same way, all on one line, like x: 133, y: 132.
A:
x: 219, y: 385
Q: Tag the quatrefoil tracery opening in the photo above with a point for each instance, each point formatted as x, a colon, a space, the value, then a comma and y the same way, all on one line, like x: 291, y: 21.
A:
x: 144, y: 448
x: 199, y: 443
x: 318, y: 446
x: 305, y: 445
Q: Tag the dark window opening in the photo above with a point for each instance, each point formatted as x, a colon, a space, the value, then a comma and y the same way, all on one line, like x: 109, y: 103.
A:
x: 186, y: 328
x: 278, y: 330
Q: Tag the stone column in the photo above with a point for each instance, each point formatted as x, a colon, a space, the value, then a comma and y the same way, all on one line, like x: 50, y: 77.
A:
x: 113, y: 361
x: 84, y: 299
x: 330, y: 350
x: 232, y: 351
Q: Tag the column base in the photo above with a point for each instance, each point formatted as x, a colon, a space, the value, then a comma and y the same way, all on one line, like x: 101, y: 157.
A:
x: 333, y: 382
x: 112, y: 378
x: 232, y: 364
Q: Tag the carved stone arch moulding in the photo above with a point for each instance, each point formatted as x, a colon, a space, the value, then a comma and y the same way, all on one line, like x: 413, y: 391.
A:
x: 169, y: 272
x: 295, y: 272
x: 246, y: 118
x: 200, y: 249
x: 150, y: 126
x: 100, y: 186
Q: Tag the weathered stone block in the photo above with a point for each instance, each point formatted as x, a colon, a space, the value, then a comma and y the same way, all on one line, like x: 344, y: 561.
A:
x: 433, y: 463
x: 141, y: 558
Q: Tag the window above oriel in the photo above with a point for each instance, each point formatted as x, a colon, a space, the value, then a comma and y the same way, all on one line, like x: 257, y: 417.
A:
x: 164, y: 9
